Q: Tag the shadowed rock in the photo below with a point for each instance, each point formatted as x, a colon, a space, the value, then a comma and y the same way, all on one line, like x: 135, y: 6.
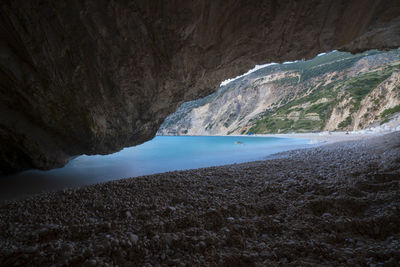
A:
x: 96, y: 76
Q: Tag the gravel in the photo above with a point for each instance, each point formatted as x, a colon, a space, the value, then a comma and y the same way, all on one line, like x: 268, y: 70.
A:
x: 337, y: 204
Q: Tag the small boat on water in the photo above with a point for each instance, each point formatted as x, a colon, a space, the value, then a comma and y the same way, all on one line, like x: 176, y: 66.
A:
x: 238, y: 143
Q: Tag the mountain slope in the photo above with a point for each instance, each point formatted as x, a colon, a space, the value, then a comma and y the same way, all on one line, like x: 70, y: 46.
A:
x: 335, y: 91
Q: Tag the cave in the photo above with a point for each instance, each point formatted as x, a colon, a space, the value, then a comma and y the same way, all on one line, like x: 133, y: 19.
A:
x: 93, y: 77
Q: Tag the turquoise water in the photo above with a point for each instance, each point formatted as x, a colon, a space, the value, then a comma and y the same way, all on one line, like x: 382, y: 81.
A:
x: 162, y: 154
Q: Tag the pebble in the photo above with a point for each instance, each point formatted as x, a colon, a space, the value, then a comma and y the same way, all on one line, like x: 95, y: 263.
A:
x: 185, y: 219
x: 133, y: 238
x: 172, y: 208
x: 326, y: 215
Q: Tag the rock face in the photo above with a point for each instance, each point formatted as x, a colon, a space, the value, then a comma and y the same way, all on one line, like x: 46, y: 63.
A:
x: 94, y: 76
x: 335, y: 91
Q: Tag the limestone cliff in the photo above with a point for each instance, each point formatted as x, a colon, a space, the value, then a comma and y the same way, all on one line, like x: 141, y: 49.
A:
x: 336, y: 91
x: 94, y: 76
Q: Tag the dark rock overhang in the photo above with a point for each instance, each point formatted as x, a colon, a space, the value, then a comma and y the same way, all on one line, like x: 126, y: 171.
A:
x: 94, y: 76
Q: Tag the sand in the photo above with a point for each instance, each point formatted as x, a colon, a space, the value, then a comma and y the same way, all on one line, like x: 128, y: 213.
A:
x: 337, y: 204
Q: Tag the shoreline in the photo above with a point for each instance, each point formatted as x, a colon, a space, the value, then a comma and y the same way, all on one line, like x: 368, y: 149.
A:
x: 327, y: 137
x: 313, y: 140
x: 336, y: 204
x: 55, y: 180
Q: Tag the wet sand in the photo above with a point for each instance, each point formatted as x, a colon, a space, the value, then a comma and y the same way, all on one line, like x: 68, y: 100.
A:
x: 337, y: 204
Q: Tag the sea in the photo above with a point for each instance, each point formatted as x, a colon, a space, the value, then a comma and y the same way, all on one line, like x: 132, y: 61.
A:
x: 161, y: 154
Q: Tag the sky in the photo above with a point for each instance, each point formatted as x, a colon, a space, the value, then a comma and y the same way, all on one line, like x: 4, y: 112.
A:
x: 257, y: 67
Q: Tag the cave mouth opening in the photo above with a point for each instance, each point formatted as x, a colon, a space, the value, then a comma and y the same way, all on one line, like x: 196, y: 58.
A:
x: 304, y: 93
x: 94, y: 77
x: 326, y: 93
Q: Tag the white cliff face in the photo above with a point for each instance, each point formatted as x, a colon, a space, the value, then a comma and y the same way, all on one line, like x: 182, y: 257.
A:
x: 283, y: 100
x: 339, y: 114
x: 233, y: 111
x: 386, y: 95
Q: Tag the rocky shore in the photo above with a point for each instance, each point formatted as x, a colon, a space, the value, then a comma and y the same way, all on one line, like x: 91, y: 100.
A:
x: 332, y: 205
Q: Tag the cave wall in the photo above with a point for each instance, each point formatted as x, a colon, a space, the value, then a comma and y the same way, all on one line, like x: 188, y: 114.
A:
x: 95, y: 76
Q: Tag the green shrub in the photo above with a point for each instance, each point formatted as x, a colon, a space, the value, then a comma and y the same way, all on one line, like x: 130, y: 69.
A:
x: 389, y: 111
x: 346, y: 122
x: 318, y: 108
x: 384, y: 121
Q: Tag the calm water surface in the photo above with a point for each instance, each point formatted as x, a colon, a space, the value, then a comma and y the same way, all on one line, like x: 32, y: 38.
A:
x: 163, y: 153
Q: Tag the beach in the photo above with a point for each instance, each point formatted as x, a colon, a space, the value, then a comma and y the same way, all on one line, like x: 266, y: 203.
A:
x: 336, y: 204
x: 329, y: 137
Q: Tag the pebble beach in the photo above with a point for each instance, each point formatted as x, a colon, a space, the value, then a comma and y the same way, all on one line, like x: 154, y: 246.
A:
x: 337, y: 204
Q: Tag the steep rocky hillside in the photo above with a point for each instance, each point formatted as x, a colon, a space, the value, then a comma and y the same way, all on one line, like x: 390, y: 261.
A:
x: 335, y: 91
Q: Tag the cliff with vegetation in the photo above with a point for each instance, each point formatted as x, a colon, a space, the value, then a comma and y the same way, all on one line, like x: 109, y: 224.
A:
x: 334, y: 91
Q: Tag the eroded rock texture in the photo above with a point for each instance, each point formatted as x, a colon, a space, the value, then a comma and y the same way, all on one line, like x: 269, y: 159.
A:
x: 94, y: 76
